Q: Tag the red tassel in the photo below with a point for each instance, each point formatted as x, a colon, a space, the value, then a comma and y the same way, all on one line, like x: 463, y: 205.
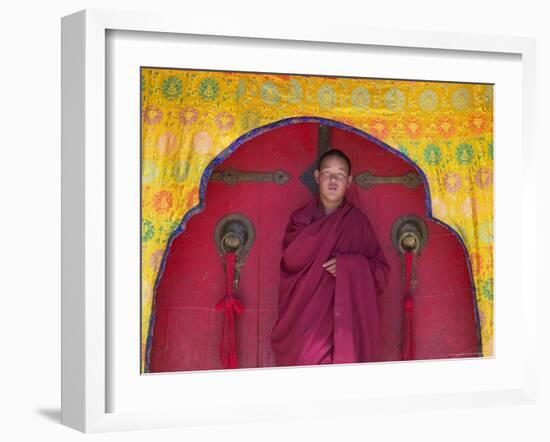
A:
x: 408, y: 341
x: 407, y: 353
x: 230, y: 306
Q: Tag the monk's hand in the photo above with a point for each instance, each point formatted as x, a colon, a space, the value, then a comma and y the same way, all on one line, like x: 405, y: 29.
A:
x: 330, y: 266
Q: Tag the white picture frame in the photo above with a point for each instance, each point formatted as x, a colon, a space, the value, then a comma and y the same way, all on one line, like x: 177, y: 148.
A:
x: 87, y: 212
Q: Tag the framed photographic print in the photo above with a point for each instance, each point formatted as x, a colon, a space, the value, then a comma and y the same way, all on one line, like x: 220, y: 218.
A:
x: 187, y: 150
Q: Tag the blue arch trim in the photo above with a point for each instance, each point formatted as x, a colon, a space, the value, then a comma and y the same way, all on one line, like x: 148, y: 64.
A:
x: 223, y: 155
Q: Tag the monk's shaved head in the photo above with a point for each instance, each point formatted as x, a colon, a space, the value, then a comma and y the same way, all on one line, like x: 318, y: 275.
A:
x: 334, y: 153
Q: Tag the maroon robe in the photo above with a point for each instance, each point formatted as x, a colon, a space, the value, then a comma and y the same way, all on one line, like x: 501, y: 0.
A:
x: 325, y: 319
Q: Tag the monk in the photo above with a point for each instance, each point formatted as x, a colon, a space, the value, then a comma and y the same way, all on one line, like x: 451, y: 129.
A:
x: 332, y: 272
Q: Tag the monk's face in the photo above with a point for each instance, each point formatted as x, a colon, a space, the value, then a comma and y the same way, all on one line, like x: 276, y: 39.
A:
x: 333, y: 179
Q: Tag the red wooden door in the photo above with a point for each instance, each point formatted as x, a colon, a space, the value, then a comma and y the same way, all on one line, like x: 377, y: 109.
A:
x: 445, y: 310
x: 187, y: 329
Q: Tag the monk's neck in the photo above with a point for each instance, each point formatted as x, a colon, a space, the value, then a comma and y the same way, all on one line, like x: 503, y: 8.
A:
x: 330, y: 206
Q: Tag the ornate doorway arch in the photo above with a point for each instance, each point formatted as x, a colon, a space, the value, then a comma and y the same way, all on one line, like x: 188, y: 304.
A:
x: 190, y: 117
x: 185, y: 322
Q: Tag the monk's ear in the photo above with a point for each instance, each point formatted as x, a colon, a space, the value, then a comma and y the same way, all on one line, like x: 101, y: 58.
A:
x: 350, y: 180
x: 316, y: 176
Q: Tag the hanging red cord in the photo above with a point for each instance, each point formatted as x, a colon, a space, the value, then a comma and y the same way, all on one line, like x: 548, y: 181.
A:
x: 230, y: 306
x: 408, y: 325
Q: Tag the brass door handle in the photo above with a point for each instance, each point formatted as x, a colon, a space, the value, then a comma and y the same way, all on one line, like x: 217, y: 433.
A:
x: 235, y: 233
x: 409, y: 234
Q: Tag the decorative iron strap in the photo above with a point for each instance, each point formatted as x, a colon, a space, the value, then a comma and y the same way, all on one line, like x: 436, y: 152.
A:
x: 231, y: 176
x: 366, y: 180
